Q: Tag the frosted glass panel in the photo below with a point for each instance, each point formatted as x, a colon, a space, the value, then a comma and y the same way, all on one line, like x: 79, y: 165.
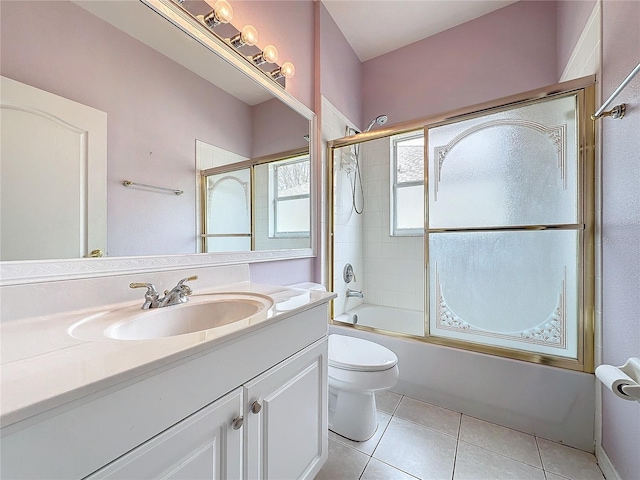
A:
x: 229, y: 202
x: 410, y: 207
x: 512, y: 289
x: 228, y: 244
x: 517, y: 167
x: 293, y: 215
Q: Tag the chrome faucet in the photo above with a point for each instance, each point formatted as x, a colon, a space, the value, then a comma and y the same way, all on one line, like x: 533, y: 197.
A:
x: 175, y: 296
x: 354, y: 293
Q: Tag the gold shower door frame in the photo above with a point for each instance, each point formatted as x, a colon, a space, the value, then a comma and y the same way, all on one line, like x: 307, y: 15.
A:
x: 584, y: 90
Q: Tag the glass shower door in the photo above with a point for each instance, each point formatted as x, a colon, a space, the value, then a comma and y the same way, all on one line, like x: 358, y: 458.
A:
x: 505, y: 231
x: 227, y: 212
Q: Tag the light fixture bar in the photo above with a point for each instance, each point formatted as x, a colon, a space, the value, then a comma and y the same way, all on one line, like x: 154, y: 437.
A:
x: 194, y: 26
x: 248, y: 36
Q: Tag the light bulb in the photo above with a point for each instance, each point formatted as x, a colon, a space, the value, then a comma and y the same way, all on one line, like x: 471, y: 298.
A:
x: 223, y: 10
x: 221, y: 13
x: 247, y: 36
x: 288, y: 70
x: 270, y: 54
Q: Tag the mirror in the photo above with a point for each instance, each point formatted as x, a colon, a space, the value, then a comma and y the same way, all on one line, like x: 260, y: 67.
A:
x: 156, y: 109
x: 257, y: 204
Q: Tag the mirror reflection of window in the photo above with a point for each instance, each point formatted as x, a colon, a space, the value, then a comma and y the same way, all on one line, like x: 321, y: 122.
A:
x: 290, y: 192
x: 282, y: 203
x: 254, y: 204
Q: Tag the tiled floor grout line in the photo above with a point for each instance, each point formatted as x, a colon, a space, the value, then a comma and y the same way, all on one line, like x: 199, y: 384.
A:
x: 423, y: 426
x: 365, y: 467
x: 500, y: 454
x: 399, y: 469
x: 540, y: 455
x: 455, y: 455
x: 455, y: 458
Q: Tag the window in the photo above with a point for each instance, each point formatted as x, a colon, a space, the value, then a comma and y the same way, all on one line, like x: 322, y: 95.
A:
x: 407, y: 176
x: 289, y: 183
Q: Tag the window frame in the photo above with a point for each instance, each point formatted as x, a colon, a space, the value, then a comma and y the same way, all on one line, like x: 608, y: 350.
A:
x: 275, y: 200
x: 394, y: 185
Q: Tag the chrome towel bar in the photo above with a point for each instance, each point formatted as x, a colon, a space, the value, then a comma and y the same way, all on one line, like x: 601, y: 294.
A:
x: 128, y: 183
x: 618, y: 110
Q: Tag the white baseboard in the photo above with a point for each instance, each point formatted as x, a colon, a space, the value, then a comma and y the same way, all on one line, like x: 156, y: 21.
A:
x: 605, y: 464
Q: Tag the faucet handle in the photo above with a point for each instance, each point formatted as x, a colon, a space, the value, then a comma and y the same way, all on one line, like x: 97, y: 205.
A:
x: 151, y: 295
x: 151, y: 288
x: 188, y: 279
x: 186, y: 290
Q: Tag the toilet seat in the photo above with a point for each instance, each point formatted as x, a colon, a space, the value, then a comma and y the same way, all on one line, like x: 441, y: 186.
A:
x: 356, y: 354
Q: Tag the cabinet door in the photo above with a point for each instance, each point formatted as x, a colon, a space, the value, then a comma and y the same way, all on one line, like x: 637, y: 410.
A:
x: 204, y: 445
x: 286, y: 417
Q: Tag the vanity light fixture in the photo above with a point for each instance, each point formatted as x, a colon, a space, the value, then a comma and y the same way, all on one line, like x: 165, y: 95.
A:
x: 221, y: 13
x: 247, y: 36
x: 268, y: 55
x: 287, y: 70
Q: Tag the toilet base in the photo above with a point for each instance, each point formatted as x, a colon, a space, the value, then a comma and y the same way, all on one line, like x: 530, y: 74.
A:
x: 352, y: 414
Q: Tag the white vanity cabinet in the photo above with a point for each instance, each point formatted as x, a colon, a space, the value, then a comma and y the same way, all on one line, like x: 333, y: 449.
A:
x: 280, y: 422
x: 182, y: 419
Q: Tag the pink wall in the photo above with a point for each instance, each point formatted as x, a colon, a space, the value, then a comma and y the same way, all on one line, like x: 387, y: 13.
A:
x: 153, y: 105
x: 277, y: 128
x: 505, y: 52
x: 289, y: 26
x: 572, y: 17
x: 341, y: 70
x: 284, y: 272
x: 621, y: 230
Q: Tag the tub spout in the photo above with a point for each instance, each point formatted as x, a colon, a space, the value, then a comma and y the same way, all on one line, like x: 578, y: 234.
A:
x: 354, y: 293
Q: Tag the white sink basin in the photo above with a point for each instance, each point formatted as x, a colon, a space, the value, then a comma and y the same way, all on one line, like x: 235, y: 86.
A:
x: 224, y: 311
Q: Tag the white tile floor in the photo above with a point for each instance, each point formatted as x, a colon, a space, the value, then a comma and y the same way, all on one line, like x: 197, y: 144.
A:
x: 419, y: 440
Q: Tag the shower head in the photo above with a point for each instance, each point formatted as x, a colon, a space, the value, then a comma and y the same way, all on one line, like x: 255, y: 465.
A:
x: 380, y: 120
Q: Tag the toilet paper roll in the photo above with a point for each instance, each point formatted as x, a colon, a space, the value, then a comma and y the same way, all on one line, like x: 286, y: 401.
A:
x: 613, y: 378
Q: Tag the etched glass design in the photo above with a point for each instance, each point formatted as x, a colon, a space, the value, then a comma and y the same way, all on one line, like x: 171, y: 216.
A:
x: 514, y: 289
x: 515, y: 167
x: 228, y: 211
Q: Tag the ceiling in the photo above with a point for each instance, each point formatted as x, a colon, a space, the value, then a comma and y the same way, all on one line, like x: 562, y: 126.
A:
x: 375, y: 27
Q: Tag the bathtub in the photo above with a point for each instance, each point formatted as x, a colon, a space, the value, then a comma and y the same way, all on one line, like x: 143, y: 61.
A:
x: 400, y: 320
x: 549, y: 402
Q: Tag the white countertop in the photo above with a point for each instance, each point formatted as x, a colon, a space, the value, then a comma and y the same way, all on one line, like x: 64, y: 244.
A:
x: 43, y: 366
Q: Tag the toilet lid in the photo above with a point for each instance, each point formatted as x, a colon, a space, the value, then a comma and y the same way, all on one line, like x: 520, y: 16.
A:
x: 350, y: 353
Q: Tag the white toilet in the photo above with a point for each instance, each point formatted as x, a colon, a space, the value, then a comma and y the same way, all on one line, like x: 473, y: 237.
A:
x: 357, y: 368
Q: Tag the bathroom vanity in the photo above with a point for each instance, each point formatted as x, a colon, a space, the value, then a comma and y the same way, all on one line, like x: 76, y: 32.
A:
x: 248, y: 401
